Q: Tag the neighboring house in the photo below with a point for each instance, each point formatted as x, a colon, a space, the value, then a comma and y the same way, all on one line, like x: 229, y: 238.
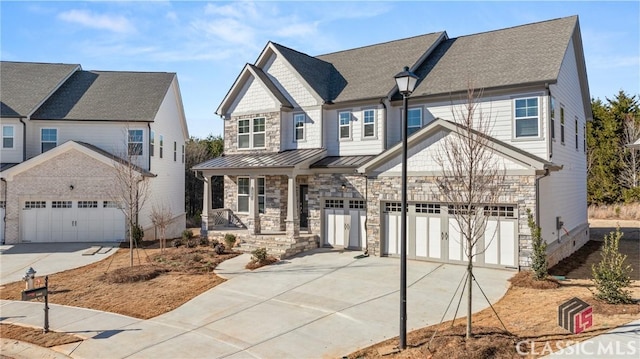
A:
x: 312, y: 144
x: 64, y: 132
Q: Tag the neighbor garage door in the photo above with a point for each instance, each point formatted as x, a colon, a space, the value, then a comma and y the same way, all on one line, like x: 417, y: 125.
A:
x: 434, y: 235
x: 71, y: 221
x: 344, y: 223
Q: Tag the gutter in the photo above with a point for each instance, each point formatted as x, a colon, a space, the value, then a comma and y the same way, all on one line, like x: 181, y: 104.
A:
x: 547, y: 172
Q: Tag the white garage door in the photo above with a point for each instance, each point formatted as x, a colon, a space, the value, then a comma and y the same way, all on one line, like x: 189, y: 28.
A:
x: 71, y: 221
x: 344, y: 223
x: 434, y: 235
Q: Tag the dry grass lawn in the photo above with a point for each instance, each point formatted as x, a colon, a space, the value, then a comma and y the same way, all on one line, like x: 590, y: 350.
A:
x: 158, y: 283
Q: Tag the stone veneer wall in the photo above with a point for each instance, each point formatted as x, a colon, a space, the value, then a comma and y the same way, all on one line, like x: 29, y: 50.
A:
x: 518, y: 190
x: 272, y: 132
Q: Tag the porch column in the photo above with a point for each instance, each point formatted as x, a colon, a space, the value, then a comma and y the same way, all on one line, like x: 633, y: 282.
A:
x: 293, y: 225
x: 206, y: 205
x: 254, y: 213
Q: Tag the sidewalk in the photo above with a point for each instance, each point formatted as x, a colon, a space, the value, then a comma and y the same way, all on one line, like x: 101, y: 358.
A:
x: 622, y: 342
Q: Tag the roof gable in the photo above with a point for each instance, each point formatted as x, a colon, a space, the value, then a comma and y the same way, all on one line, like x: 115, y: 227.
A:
x: 105, y: 95
x: 440, y: 128
x: 247, y: 73
x: 88, y: 149
x: 527, y: 54
x: 26, y: 85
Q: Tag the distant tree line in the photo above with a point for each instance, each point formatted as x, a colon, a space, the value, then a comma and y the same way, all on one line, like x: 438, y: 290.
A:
x: 198, y: 150
x: 613, y: 168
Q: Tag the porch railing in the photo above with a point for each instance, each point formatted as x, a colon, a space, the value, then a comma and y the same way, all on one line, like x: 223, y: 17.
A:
x: 223, y: 217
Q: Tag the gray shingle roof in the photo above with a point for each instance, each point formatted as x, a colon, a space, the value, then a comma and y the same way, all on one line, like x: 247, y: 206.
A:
x: 24, y: 85
x: 368, y: 71
x: 104, y: 96
x: 524, y: 54
x: 284, y: 159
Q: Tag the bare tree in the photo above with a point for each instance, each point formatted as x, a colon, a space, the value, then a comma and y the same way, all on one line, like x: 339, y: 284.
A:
x: 161, y: 216
x: 471, y: 179
x: 131, y: 186
x: 630, y: 169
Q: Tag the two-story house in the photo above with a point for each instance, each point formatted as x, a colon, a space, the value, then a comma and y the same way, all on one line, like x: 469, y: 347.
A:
x: 65, y: 133
x: 313, y: 154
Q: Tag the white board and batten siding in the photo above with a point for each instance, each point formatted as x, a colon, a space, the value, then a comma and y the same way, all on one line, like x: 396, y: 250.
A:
x: 563, y: 194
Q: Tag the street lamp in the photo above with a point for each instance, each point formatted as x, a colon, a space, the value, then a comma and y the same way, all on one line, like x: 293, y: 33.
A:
x: 406, y: 81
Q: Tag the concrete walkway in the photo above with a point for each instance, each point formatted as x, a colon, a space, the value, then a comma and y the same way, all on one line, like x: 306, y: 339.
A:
x: 48, y: 258
x: 322, y: 304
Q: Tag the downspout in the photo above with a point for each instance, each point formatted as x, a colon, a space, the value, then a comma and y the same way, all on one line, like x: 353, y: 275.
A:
x: 384, y: 120
x: 548, y: 121
x: 537, y: 209
x: 4, y: 217
x: 366, y: 217
x: 24, y: 139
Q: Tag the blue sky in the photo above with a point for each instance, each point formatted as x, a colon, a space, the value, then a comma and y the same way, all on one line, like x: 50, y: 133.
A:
x: 208, y: 43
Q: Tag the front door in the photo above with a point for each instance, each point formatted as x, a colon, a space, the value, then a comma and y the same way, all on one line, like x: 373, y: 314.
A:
x: 304, y: 206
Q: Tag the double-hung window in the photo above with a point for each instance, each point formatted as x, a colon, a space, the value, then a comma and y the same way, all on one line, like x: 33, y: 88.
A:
x: 161, y: 145
x: 175, y: 151
x: 561, y: 124
x: 135, y: 143
x: 243, y: 194
x: 261, y: 194
x: 152, y: 143
x: 369, y: 123
x: 7, y: 136
x: 48, y: 139
x: 526, y: 117
x: 344, y: 119
x: 182, y: 153
x: 414, y: 120
x: 298, y: 124
x: 251, y: 133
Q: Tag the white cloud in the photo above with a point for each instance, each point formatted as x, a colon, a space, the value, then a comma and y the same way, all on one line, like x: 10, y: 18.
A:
x: 116, y: 23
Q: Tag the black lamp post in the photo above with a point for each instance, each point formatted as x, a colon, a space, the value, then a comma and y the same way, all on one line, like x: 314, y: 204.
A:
x: 406, y: 81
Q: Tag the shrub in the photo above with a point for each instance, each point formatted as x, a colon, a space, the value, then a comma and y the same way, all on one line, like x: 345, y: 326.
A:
x: 539, y: 263
x: 259, y: 255
x: 176, y: 242
x: 187, y: 234
x: 230, y: 240
x: 204, y: 241
x: 191, y: 243
x: 611, y: 275
x: 137, y: 233
x: 219, y: 248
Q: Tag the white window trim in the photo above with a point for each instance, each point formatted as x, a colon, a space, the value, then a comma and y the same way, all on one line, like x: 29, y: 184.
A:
x: 13, y: 137
x: 340, y: 125
x: 374, y: 123
x: 248, y: 195
x: 513, y: 121
x: 141, y: 142
x: 49, y: 128
x: 251, y: 134
x: 421, y: 119
x: 295, y: 127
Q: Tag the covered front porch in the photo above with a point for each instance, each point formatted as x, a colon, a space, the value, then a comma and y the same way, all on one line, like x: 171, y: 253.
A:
x: 262, y: 200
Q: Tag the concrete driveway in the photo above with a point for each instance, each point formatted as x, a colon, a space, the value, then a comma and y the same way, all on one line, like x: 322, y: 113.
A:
x: 48, y: 258
x: 322, y: 304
